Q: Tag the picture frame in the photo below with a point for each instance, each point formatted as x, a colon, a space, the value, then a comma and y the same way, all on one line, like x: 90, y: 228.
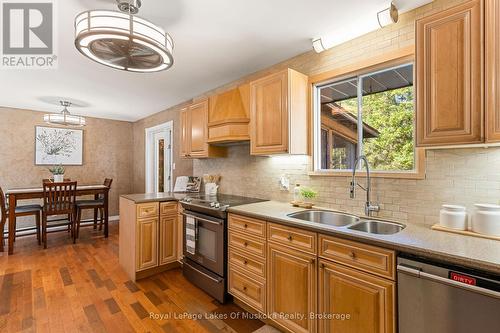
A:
x: 56, y: 145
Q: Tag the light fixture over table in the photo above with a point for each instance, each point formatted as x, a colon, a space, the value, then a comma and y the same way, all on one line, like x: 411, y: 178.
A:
x: 120, y: 40
x: 64, y: 117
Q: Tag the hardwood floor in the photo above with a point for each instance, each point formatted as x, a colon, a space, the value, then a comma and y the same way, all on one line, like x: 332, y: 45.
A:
x: 81, y: 288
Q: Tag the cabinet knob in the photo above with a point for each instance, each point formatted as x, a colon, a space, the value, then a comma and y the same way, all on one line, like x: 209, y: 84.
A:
x: 245, y: 226
x: 289, y: 237
x: 313, y: 261
x: 245, y: 262
x: 244, y: 288
x: 352, y: 254
x: 323, y: 266
x: 245, y: 244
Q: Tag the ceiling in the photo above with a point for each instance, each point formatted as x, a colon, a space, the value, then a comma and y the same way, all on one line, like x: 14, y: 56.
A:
x: 216, y: 42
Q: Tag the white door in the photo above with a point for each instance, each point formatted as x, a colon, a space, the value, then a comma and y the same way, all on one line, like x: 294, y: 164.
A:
x: 159, y: 159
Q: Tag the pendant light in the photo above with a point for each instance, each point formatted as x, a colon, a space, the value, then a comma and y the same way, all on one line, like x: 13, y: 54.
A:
x: 64, y: 117
x: 121, y: 40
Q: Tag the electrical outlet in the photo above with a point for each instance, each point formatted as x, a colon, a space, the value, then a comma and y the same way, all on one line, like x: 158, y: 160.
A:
x: 284, y: 183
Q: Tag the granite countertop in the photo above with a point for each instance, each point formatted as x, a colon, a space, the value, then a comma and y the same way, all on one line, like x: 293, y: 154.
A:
x: 151, y: 197
x: 415, y: 239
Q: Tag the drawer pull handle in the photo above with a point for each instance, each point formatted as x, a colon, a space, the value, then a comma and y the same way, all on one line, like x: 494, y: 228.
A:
x: 245, y: 244
x: 245, y: 226
x: 245, y: 262
x: 290, y: 238
x: 352, y: 255
x: 244, y: 288
x: 323, y: 265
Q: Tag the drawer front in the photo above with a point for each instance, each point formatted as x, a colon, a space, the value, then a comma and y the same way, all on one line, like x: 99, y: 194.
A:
x: 365, y: 257
x: 249, y: 263
x: 297, y: 238
x: 168, y: 208
x: 248, y: 289
x: 247, y: 225
x: 145, y: 210
x: 248, y: 244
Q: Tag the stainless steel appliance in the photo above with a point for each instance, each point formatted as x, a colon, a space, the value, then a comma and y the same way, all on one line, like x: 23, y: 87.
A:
x: 205, y: 258
x: 441, y: 298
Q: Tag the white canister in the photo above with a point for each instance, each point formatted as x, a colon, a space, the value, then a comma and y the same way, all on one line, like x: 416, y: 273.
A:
x: 453, y: 216
x: 486, y: 219
x: 211, y: 188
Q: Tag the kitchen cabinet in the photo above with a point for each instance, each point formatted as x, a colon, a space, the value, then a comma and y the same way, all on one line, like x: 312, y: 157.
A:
x: 147, y: 243
x: 229, y: 115
x: 148, y: 237
x: 279, y: 118
x: 367, y: 299
x: 292, y: 288
x: 194, y: 132
x: 449, y: 76
x: 492, y: 67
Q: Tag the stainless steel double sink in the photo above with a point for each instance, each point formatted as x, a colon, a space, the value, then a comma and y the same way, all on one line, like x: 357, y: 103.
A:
x: 352, y: 222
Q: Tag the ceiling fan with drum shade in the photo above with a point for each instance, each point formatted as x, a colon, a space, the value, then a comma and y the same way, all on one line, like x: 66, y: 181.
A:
x: 64, y: 117
x: 121, y: 40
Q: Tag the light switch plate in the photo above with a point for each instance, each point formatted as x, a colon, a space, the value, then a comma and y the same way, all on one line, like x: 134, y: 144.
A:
x: 284, y: 183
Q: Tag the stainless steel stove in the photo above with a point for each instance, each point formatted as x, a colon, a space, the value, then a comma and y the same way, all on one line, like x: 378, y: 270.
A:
x: 205, y: 240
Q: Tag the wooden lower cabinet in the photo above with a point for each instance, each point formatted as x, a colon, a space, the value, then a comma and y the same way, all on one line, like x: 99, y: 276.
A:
x: 292, y: 289
x: 147, y: 243
x: 249, y: 288
x: 168, y: 243
x: 367, y: 299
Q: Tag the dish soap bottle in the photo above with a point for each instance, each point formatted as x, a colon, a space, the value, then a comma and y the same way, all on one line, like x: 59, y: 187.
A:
x: 296, y: 193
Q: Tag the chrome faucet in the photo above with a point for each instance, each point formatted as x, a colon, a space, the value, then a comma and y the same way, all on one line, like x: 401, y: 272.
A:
x: 369, y: 207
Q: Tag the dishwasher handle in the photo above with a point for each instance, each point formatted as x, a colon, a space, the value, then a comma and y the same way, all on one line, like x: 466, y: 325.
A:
x: 410, y: 270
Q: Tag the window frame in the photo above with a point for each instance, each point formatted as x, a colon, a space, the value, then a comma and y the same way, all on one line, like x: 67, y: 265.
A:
x: 376, y: 64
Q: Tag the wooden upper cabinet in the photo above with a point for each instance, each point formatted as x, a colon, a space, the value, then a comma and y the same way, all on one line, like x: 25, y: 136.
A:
x: 194, y: 132
x: 279, y: 120
x: 492, y: 71
x: 449, y: 76
x: 368, y: 299
x: 292, y: 288
x: 229, y: 115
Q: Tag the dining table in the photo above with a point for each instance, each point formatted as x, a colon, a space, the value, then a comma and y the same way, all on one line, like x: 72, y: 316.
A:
x: 30, y: 193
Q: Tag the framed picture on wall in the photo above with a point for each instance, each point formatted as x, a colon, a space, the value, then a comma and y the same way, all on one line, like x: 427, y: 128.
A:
x: 58, y: 146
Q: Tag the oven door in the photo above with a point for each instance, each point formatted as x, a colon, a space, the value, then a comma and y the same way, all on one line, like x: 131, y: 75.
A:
x: 209, y: 241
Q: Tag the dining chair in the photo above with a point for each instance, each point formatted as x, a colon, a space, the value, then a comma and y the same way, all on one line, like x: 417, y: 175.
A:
x: 98, y: 205
x: 24, y: 210
x: 58, y: 199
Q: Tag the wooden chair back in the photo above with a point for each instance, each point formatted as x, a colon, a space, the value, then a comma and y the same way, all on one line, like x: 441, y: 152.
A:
x: 3, y: 209
x: 59, y: 198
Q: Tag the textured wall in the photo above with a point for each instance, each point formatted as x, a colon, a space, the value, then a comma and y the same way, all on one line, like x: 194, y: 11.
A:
x: 107, y: 153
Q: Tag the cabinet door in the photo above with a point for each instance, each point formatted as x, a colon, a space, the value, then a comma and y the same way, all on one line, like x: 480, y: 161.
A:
x: 185, y: 132
x: 199, y: 121
x: 168, y: 235
x: 269, y: 114
x: 492, y: 71
x: 291, y: 288
x: 368, y: 300
x: 147, y: 243
x: 449, y: 61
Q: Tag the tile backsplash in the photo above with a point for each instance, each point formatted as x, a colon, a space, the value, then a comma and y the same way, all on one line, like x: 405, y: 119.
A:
x: 461, y: 176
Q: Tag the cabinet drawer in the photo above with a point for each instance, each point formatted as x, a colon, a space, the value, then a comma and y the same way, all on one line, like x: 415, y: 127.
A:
x: 247, y: 244
x: 249, y: 263
x: 297, y: 238
x: 149, y: 209
x: 168, y: 208
x: 247, y: 225
x: 365, y: 257
x: 247, y: 288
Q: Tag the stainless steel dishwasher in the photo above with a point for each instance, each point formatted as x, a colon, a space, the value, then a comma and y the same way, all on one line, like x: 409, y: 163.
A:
x: 440, y: 298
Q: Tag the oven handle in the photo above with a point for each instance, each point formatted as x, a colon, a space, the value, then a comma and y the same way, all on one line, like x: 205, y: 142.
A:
x: 203, y: 273
x: 431, y: 277
x: 202, y: 219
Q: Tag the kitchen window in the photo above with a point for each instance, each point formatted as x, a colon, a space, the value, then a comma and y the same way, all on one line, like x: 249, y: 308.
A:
x: 371, y: 114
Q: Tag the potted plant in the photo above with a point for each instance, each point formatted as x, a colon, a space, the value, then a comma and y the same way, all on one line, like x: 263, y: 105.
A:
x: 308, y: 194
x: 58, y: 173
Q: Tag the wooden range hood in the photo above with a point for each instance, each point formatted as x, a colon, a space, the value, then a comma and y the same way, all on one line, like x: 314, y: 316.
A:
x: 229, y: 117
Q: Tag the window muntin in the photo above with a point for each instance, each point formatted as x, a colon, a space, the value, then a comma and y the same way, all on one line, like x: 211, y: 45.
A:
x: 382, y: 104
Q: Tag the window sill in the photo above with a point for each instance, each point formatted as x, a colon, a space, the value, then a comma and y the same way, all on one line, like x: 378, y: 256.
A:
x: 374, y: 174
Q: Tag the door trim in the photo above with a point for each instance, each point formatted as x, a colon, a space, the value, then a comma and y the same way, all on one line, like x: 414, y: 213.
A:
x: 149, y: 158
